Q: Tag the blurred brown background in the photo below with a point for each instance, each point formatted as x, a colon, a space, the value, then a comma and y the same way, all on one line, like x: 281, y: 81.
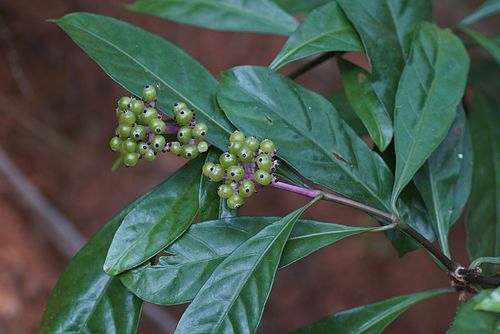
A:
x: 57, y: 115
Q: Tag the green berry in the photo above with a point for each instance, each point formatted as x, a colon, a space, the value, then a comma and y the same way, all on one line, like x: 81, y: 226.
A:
x: 235, y: 147
x: 235, y: 201
x: 262, y: 177
x: 127, y: 118
x: 178, y: 107
x: 115, y: 143
x: 206, y: 168
x: 131, y: 159
x: 267, y: 146
x: 175, y: 148
x: 237, y: 136
x: 264, y: 162
x: 247, y: 188
x: 158, y: 143
x: 129, y: 146
x: 123, y: 130
x: 189, y: 151
x: 235, y: 172
x: 184, y: 116
x: 225, y: 191
x: 228, y: 159
x: 157, y: 126
x: 136, y: 106
x: 148, y: 115
x: 119, y: 112
x: 216, y: 173
x: 245, y: 154
x: 184, y: 134
x: 149, y: 93
x: 202, y: 146
x: 142, y: 147
x: 150, y: 155
x: 200, y: 130
x: 252, y: 143
x: 138, y: 132
x: 123, y: 103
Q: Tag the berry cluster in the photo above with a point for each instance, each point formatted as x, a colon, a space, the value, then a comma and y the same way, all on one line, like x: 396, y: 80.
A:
x: 141, y: 131
x: 248, y: 161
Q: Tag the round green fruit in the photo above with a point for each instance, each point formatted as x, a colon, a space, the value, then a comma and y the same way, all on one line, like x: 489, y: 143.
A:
x: 131, y: 159
x: 263, y: 177
x: 148, y: 115
x: 158, y: 143
x: 202, y: 146
x: 158, y: 126
x: 149, y: 93
x: 129, y: 146
x: 245, y: 154
x: 247, y: 188
x: 123, y: 103
x: 216, y: 173
x: 150, y: 155
x: 264, y: 162
x: 184, y: 116
x: 225, y: 191
x: 235, y: 172
x: 235, y: 201
x: 138, y: 132
x: 206, y: 168
x: 189, y: 151
x: 123, y: 130
x: 178, y: 107
x: 228, y: 159
x: 200, y: 130
x: 142, y: 147
x: 237, y: 137
x: 136, y: 106
x: 184, y: 134
x: 267, y: 146
x: 127, y: 118
x: 235, y: 147
x: 115, y: 143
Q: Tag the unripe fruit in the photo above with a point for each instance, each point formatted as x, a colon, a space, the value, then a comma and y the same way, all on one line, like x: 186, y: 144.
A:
x: 252, y: 143
x: 150, y: 155
x: 200, y: 130
x: 115, y: 143
x: 225, y: 191
x: 237, y: 136
x: 175, y: 148
x: 123, y: 130
x: 127, y: 118
x: 178, y: 107
x: 157, y: 126
x: 119, y: 112
x: 235, y: 147
x: 158, y: 143
x: 267, y: 146
x: 235, y: 201
x: 216, y: 173
x: 136, y: 106
x: 184, y: 116
x: 202, y: 146
x: 148, y: 116
x: 184, y: 134
x: 235, y: 172
x: 264, y: 162
x: 245, y: 154
x: 228, y: 159
x: 123, y: 102
x: 206, y: 168
x: 149, y: 93
x: 131, y: 159
x: 189, y: 151
x: 138, y: 132
x: 129, y: 146
x: 263, y: 177
x: 142, y: 147
x: 247, y: 188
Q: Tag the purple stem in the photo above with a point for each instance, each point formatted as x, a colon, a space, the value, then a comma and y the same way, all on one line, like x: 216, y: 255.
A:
x: 295, y: 189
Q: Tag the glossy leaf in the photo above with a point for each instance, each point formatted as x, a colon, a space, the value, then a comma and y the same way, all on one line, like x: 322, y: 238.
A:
x: 386, y: 28
x: 491, y: 45
x: 157, y: 221
x: 429, y: 92
x: 232, y: 300
x: 344, y: 108
x: 134, y: 57
x: 324, y: 29
x: 491, y: 303
x: 234, y: 15
x: 468, y: 320
x: 489, y: 7
x: 368, y: 319
x: 445, y: 179
x: 365, y: 103
x: 194, y: 256
x: 85, y: 299
x: 483, y: 223
x: 209, y: 200
x: 300, y: 6
x: 308, y: 132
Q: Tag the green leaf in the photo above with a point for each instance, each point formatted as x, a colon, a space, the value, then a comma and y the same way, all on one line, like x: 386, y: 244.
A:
x: 300, y: 6
x: 324, y: 29
x: 368, y: 319
x: 308, y: 132
x: 365, y: 103
x: 468, y: 320
x: 491, y: 303
x: 480, y: 260
x: 344, y: 108
x: 209, y: 200
x: 85, y: 299
x: 164, y: 214
x: 235, y: 15
x: 491, y: 45
x: 177, y: 278
x: 489, y: 7
x: 429, y: 92
x: 445, y: 179
x: 386, y: 28
x: 232, y: 300
x: 134, y: 57
x: 483, y: 222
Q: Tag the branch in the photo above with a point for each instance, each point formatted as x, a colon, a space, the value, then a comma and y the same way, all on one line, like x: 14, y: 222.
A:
x: 312, y: 64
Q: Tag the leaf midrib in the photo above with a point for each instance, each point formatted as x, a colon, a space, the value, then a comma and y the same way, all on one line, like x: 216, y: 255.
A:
x: 496, y: 167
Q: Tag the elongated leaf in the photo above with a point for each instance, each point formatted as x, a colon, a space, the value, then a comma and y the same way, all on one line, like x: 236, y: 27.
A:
x: 344, y: 108
x: 232, y: 300
x: 368, y: 319
x: 386, y: 28
x: 491, y: 45
x: 491, y: 303
x: 234, y: 15
x: 157, y: 221
x: 300, y: 6
x: 445, y: 179
x: 85, y: 299
x: 489, y: 7
x: 468, y: 320
x: 308, y: 132
x: 209, y: 200
x: 177, y: 278
x: 483, y: 223
x: 365, y: 103
x: 324, y: 29
x: 429, y: 91
x: 134, y: 57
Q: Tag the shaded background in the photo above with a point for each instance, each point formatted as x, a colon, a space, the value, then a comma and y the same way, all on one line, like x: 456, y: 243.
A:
x: 57, y: 115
